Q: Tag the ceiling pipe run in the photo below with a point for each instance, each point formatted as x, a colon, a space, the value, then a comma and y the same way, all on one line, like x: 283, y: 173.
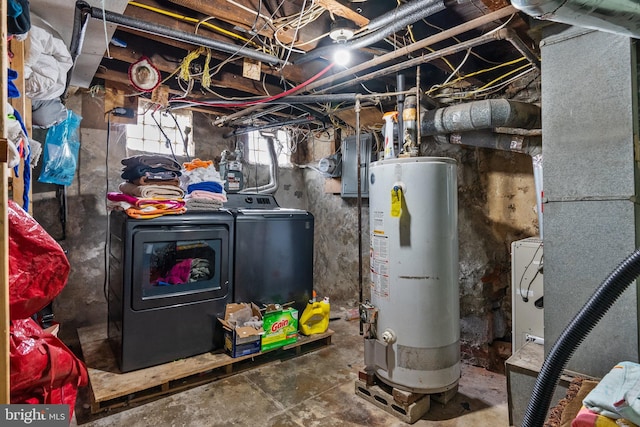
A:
x: 168, y: 32
x: 424, y: 43
x: 614, y: 16
x: 485, y: 114
x: 80, y: 22
x: 241, y: 131
x: 388, y: 23
x: 506, y: 34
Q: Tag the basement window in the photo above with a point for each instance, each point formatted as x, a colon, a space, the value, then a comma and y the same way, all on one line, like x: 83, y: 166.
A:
x: 168, y: 138
x: 258, y: 148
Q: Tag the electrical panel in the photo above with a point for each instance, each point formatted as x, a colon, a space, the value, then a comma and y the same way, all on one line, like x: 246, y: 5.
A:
x: 527, y: 292
x: 350, y: 165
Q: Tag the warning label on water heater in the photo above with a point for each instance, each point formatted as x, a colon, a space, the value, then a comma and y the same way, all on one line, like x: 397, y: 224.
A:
x: 379, y: 261
x: 378, y: 222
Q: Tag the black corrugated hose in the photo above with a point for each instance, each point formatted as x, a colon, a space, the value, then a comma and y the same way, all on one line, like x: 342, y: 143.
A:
x: 577, y: 330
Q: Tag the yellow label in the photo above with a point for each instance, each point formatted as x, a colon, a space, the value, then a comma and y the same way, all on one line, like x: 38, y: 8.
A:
x: 396, y: 202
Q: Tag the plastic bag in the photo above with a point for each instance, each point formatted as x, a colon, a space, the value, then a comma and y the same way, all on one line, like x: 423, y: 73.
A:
x: 43, y: 369
x: 61, y: 151
x: 38, y: 267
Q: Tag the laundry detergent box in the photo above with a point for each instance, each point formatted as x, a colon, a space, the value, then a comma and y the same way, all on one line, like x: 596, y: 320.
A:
x: 242, y: 326
x: 280, y: 327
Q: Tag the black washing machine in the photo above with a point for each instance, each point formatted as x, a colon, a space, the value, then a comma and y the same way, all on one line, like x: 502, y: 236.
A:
x: 170, y: 278
x: 273, y: 251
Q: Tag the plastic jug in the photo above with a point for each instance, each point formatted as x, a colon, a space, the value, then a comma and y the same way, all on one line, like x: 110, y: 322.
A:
x: 315, y: 317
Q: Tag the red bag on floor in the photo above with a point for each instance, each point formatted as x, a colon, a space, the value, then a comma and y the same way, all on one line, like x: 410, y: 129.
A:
x: 38, y: 267
x: 43, y: 369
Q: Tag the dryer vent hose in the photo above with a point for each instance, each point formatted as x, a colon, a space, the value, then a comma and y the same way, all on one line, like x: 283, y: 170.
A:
x: 577, y: 330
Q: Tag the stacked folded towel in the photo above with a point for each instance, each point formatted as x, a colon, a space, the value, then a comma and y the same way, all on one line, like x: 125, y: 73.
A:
x: 151, y: 187
x: 203, y: 185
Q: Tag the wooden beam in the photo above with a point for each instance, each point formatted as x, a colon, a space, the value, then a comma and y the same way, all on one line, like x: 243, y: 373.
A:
x: 292, y: 73
x: 237, y: 13
x: 114, y: 97
x: 5, y: 371
x: 339, y: 9
x: 221, y: 79
x: 23, y: 105
x: 123, y: 78
x: 168, y: 21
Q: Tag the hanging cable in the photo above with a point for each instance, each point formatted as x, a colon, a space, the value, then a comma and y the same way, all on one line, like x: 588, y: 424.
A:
x: 184, y: 139
x: 263, y: 100
x: 106, y: 37
x: 167, y: 139
x: 475, y: 73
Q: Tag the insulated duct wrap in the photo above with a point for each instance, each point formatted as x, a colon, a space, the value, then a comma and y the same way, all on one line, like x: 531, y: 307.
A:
x: 531, y: 145
x: 615, y: 16
x: 477, y: 115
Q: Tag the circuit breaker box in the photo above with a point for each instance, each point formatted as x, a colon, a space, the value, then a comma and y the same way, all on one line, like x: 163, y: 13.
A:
x: 527, y: 292
x: 350, y: 165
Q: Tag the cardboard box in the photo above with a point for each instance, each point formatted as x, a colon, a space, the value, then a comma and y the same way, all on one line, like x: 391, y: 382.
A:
x: 280, y: 327
x: 240, y: 340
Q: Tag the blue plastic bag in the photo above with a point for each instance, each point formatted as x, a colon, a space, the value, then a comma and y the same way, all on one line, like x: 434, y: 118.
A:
x: 61, y: 146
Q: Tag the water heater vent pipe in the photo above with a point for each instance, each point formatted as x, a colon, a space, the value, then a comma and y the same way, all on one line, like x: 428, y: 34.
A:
x: 614, y: 16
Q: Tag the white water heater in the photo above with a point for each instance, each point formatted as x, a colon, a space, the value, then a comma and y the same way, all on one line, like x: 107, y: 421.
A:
x: 413, y: 340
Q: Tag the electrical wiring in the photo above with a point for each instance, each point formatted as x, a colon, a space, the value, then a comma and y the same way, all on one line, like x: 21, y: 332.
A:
x: 457, y: 40
x: 263, y: 100
x: 167, y: 139
x: 264, y: 85
x: 106, y: 37
x: 497, y: 79
x: 430, y: 49
x: 497, y: 88
x: 302, y: 19
x: 457, y: 70
x: 315, y: 39
x: 233, y: 56
x: 189, y: 19
x: 475, y: 73
x: 268, y: 19
x: 295, y: 33
x: 488, y: 90
x: 184, y: 139
x: 525, y: 297
x: 449, y: 82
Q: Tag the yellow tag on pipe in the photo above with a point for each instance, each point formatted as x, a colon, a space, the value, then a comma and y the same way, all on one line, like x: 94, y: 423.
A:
x: 396, y: 201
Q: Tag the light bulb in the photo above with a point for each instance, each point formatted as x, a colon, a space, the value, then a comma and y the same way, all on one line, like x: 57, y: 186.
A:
x: 341, y: 56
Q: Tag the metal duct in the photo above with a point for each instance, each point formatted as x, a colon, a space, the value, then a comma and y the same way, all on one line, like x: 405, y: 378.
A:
x: 477, y: 115
x: 614, y: 16
x: 272, y: 186
x: 531, y: 145
x: 400, y: 12
x: 421, y: 9
x: 80, y: 21
x: 161, y: 30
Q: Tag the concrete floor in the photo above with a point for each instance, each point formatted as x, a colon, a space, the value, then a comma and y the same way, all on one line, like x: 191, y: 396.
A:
x: 315, y: 389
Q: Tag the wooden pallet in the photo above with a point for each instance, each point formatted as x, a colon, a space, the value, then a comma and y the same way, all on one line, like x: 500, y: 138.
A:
x: 112, y: 389
x: 408, y: 407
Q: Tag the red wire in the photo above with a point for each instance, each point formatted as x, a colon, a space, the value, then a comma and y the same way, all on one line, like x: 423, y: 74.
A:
x: 259, y: 101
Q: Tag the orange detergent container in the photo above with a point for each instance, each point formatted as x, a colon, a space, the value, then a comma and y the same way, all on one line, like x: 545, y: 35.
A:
x: 315, y: 317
